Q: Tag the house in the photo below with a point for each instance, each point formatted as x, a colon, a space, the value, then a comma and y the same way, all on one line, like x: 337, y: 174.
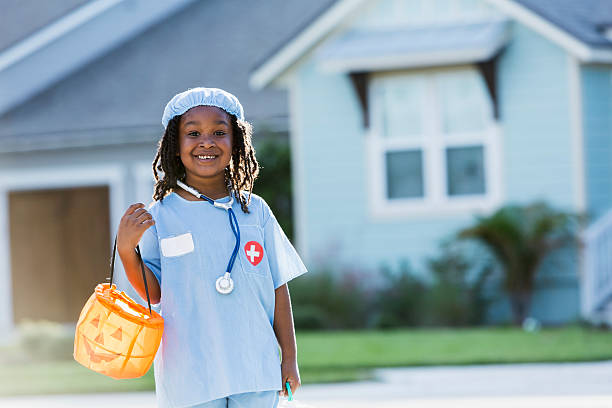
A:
x: 408, y: 117
x: 82, y: 88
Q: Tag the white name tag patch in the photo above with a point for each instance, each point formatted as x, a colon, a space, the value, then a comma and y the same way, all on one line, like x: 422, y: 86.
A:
x: 178, y: 245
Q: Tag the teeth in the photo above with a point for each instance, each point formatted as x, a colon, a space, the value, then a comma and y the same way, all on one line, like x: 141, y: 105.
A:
x: 206, y: 157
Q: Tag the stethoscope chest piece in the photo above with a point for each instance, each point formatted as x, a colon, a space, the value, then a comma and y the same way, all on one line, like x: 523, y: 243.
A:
x: 225, y: 284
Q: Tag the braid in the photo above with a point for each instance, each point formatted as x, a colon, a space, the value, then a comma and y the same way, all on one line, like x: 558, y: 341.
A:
x: 243, y: 168
x: 239, y: 175
x: 168, y: 161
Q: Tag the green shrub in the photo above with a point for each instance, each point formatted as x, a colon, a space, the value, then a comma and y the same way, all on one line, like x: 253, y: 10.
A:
x: 309, y: 317
x: 328, y: 299
x: 400, y: 302
x: 45, y: 340
x: 455, y: 298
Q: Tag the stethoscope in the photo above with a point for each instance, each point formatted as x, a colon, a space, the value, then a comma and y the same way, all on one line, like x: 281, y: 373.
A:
x: 224, y: 283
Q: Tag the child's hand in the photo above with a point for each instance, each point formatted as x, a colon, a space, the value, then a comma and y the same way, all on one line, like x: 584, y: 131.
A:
x: 291, y: 374
x: 133, y: 224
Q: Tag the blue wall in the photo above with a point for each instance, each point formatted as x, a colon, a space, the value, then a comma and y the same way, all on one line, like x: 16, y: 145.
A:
x: 535, y: 114
x: 597, y: 121
x: 537, y: 164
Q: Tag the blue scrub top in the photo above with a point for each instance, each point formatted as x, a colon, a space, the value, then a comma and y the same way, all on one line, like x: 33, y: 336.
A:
x: 216, y: 345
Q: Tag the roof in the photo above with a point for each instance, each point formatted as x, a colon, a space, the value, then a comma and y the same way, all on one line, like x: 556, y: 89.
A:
x: 577, y: 26
x: 128, y: 86
x: 72, y: 41
x: 584, y: 19
x: 22, y: 18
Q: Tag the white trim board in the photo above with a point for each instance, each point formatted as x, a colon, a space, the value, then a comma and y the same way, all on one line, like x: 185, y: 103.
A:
x: 295, y: 48
x: 112, y: 175
x: 300, y: 44
x: 571, y: 44
x: 73, y: 41
x: 54, y: 31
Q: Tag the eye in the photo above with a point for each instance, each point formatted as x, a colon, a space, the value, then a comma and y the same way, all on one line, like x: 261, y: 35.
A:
x: 220, y: 133
x: 193, y: 133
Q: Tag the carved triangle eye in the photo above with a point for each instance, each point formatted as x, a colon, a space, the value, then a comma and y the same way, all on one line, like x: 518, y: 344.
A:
x: 96, y: 322
x: 118, y: 334
x: 100, y: 339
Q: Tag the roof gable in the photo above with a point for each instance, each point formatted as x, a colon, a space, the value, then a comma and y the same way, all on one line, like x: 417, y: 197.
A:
x: 585, y: 20
x: 576, y: 34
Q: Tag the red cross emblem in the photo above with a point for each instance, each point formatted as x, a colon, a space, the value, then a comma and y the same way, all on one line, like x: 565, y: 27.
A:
x: 254, y: 252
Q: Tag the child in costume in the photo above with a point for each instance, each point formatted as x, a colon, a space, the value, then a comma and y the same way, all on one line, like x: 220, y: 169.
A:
x: 216, y: 261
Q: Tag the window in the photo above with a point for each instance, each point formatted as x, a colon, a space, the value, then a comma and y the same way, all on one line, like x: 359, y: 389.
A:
x: 465, y: 170
x: 432, y: 143
x: 404, y: 174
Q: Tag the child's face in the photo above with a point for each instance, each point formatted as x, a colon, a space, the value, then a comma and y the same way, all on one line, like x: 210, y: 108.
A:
x: 205, y: 131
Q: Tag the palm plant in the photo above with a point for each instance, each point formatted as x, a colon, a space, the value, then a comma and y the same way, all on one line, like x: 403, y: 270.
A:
x: 520, y: 237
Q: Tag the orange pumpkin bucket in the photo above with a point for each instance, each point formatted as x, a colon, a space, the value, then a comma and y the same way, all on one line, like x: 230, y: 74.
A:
x: 116, y: 336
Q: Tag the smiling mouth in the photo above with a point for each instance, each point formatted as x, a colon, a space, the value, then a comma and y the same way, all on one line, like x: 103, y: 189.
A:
x: 206, y: 158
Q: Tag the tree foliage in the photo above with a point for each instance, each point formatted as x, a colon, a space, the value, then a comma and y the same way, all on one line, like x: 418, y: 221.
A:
x: 520, y: 238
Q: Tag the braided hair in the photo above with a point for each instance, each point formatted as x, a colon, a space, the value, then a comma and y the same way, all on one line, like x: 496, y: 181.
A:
x: 240, y: 175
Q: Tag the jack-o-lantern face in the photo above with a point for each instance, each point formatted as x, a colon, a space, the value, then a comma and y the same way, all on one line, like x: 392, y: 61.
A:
x: 91, y: 347
x: 113, y: 338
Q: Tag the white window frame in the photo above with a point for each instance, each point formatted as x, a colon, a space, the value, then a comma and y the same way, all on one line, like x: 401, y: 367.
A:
x: 436, y: 201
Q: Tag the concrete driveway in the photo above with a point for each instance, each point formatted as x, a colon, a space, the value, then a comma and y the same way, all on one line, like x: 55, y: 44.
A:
x: 568, y: 385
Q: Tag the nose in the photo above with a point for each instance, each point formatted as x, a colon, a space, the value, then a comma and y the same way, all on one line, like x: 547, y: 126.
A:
x: 207, y: 141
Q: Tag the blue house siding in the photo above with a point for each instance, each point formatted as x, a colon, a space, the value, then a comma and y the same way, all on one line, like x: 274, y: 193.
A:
x: 597, y: 128
x: 535, y: 119
x: 337, y: 225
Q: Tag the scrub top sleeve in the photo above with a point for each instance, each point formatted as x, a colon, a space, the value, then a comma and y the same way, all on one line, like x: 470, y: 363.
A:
x: 149, y: 249
x: 285, y: 263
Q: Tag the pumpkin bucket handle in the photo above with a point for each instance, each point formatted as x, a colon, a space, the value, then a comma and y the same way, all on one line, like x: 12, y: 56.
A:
x: 144, y: 276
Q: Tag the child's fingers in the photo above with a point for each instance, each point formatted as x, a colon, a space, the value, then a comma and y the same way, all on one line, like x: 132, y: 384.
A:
x: 133, y: 208
x: 294, y: 383
x: 142, y: 216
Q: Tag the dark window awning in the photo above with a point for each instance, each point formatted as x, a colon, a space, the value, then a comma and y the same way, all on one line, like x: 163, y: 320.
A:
x: 382, y: 50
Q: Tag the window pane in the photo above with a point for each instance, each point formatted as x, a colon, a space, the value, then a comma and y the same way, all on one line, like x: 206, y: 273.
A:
x: 404, y: 174
x: 401, y: 105
x: 465, y: 170
x: 465, y: 101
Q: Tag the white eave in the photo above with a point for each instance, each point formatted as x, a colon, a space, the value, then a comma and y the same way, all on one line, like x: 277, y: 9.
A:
x: 304, y: 41
x: 584, y: 52
x: 74, y: 40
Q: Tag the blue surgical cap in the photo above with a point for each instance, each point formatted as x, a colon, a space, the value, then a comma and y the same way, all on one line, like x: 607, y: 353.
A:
x: 184, y: 101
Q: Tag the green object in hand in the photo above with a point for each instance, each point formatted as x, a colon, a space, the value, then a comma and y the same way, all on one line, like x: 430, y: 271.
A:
x: 289, y: 391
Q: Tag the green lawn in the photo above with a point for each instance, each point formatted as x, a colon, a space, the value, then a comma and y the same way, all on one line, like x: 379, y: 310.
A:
x: 348, y: 356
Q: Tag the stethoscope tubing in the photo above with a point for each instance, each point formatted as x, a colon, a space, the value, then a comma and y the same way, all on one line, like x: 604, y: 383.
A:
x: 233, y: 224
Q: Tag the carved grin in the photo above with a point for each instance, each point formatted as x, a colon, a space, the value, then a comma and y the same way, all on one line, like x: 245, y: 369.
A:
x: 97, y: 357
